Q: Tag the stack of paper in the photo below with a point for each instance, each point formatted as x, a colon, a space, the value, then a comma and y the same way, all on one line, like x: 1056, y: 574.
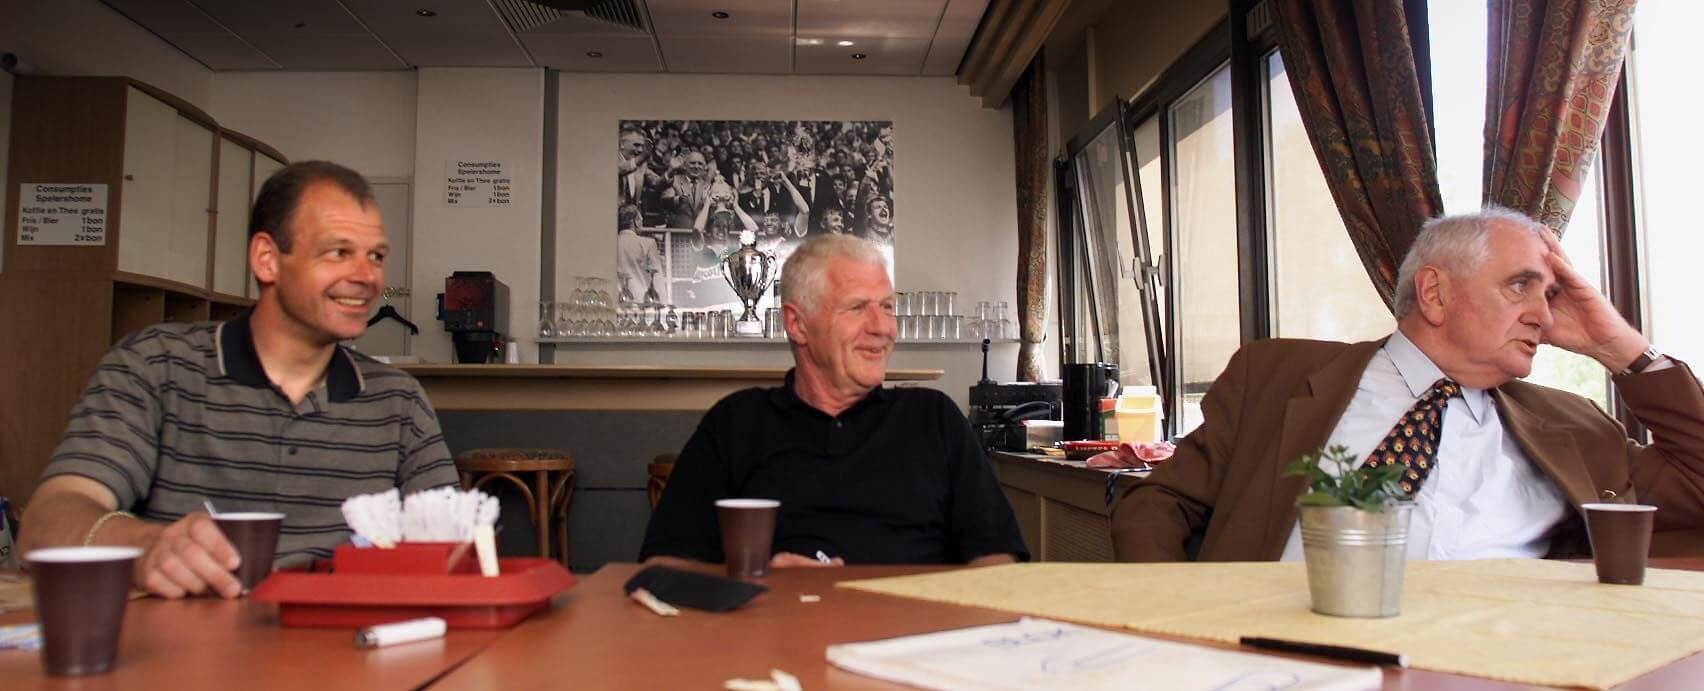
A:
x: 1042, y: 654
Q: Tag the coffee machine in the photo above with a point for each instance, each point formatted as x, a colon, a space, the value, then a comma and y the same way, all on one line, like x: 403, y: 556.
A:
x: 1086, y: 384
x: 475, y: 310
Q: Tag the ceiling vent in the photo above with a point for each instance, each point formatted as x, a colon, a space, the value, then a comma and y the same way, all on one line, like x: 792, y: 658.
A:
x: 525, y: 15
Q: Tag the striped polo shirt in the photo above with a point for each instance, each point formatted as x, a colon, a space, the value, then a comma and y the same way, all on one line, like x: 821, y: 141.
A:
x: 181, y: 413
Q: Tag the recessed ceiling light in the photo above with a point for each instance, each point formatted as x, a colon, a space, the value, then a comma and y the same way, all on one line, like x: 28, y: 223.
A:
x: 843, y: 43
x: 719, y: 14
x: 810, y: 41
x: 426, y: 13
x: 859, y: 56
x: 594, y: 54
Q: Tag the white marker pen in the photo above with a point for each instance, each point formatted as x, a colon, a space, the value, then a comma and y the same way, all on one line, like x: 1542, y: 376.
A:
x: 399, y: 632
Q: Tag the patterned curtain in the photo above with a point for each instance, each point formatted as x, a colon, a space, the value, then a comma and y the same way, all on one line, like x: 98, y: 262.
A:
x: 1352, y: 68
x: 1551, y: 71
x: 1029, y: 139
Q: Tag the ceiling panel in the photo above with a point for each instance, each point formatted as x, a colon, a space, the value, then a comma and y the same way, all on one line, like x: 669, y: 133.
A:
x: 900, y: 37
x: 253, y: 16
x: 952, y: 38
x: 452, y: 16
x: 746, y: 18
x: 222, y: 51
x: 167, y: 16
x: 897, y: 56
x: 308, y: 52
x: 442, y: 50
x: 748, y: 55
x: 636, y: 53
x: 831, y: 19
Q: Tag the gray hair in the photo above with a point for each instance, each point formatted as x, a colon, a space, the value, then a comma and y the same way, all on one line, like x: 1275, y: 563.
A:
x: 1457, y: 243
x: 805, y: 276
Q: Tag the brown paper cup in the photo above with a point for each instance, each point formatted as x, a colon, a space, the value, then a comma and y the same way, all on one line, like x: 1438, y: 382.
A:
x: 1621, y: 540
x: 79, y: 599
x: 255, y: 535
x: 748, y: 530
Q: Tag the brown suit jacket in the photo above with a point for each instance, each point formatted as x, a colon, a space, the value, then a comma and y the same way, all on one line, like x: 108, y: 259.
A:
x: 1279, y: 399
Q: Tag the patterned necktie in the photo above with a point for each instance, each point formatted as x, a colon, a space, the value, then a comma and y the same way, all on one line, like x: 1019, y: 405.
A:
x: 1413, y: 441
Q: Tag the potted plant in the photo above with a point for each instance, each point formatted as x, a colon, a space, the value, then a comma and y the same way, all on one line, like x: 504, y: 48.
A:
x: 1354, y: 534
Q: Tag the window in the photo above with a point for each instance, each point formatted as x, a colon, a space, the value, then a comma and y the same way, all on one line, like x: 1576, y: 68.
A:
x: 1204, y: 234
x: 1458, y: 54
x: 1661, y: 85
x: 1319, y: 286
x: 1110, y: 327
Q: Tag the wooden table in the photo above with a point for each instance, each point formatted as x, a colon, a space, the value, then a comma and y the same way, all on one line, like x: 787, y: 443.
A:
x: 595, y: 638
x: 206, y: 643
x: 592, y: 638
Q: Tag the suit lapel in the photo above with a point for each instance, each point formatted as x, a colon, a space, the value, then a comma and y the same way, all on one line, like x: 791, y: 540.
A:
x: 1309, y: 418
x: 1550, y: 447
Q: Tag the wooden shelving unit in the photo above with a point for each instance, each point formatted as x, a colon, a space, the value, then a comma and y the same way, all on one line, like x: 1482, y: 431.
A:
x: 168, y: 171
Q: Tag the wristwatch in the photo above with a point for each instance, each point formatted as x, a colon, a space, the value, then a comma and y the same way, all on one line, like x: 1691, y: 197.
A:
x: 1644, y: 360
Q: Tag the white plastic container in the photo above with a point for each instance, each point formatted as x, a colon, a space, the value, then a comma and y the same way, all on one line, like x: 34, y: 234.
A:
x: 1138, y: 415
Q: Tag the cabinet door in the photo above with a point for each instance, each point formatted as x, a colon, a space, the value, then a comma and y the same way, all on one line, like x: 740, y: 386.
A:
x: 264, y: 167
x: 192, y: 200
x: 144, y: 220
x: 230, y: 237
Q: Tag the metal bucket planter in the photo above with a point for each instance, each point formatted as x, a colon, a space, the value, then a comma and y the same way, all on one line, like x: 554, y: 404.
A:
x: 1355, y: 558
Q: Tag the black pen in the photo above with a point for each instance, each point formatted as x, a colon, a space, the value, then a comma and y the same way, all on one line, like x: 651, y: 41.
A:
x: 1335, y: 652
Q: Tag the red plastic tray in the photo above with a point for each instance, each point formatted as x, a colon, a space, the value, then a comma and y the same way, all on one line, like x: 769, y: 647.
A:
x: 463, y: 600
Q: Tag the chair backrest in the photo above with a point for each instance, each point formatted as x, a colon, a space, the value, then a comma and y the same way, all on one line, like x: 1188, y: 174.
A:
x: 659, y: 470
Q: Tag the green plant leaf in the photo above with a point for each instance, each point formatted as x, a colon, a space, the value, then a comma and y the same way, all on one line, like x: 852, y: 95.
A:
x: 1363, y: 487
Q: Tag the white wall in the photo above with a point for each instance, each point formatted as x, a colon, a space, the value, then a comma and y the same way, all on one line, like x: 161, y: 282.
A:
x: 954, y: 196
x: 364, y: 120
x: 478, y: 114
x: 87, y: 38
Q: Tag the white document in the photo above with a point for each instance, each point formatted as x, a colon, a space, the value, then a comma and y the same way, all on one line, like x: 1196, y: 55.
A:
x: 1043, y: 654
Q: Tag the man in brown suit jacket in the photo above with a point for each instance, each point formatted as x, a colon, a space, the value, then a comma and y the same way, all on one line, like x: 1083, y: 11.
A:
x: 1476, y: 296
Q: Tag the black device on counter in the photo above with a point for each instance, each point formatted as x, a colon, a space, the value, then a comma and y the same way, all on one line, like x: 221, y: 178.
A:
x: 1085, y: 385
x: 475, y: 310
x: 998, y: 411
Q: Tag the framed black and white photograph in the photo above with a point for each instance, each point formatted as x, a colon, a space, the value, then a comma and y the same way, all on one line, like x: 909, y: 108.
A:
x: 686, y: 189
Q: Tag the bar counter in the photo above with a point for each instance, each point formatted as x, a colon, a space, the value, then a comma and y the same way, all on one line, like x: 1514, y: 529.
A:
x: 600, y: 387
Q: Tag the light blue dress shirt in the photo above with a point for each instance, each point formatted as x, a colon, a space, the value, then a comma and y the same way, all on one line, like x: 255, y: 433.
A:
x: 1484, y: 498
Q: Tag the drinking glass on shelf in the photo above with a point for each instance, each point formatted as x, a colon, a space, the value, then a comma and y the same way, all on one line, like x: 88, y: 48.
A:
x: 658, y: 328
x: 949, y: 303
x: 546, y: 320
x: 714, y: 329
x: 727, y: 323
x: 901, y: 304
x: 564, y: 320
x: 954, y: 325
x: 902, y: 327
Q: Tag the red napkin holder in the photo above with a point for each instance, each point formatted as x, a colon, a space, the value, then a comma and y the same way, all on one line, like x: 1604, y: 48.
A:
x: 367, y: 586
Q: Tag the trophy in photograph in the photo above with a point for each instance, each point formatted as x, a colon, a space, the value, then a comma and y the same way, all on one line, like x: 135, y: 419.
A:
x: 749, y: 272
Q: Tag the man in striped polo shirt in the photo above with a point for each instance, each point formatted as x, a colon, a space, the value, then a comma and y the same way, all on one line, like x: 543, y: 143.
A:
x: 262, y: 413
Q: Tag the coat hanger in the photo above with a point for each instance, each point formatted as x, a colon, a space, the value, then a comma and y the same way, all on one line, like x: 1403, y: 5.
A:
x: 388, y: 311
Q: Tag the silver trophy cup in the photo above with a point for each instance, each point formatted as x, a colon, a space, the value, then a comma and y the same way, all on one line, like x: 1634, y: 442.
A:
x: 749, y: 272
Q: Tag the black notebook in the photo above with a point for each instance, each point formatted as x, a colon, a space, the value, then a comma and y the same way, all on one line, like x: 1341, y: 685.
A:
x: 695, y: 590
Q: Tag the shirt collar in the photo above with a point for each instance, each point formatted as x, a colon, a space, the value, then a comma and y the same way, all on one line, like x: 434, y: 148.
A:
x: 785, y: 398
x: 238, y: 359
x: 1419, y: 373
